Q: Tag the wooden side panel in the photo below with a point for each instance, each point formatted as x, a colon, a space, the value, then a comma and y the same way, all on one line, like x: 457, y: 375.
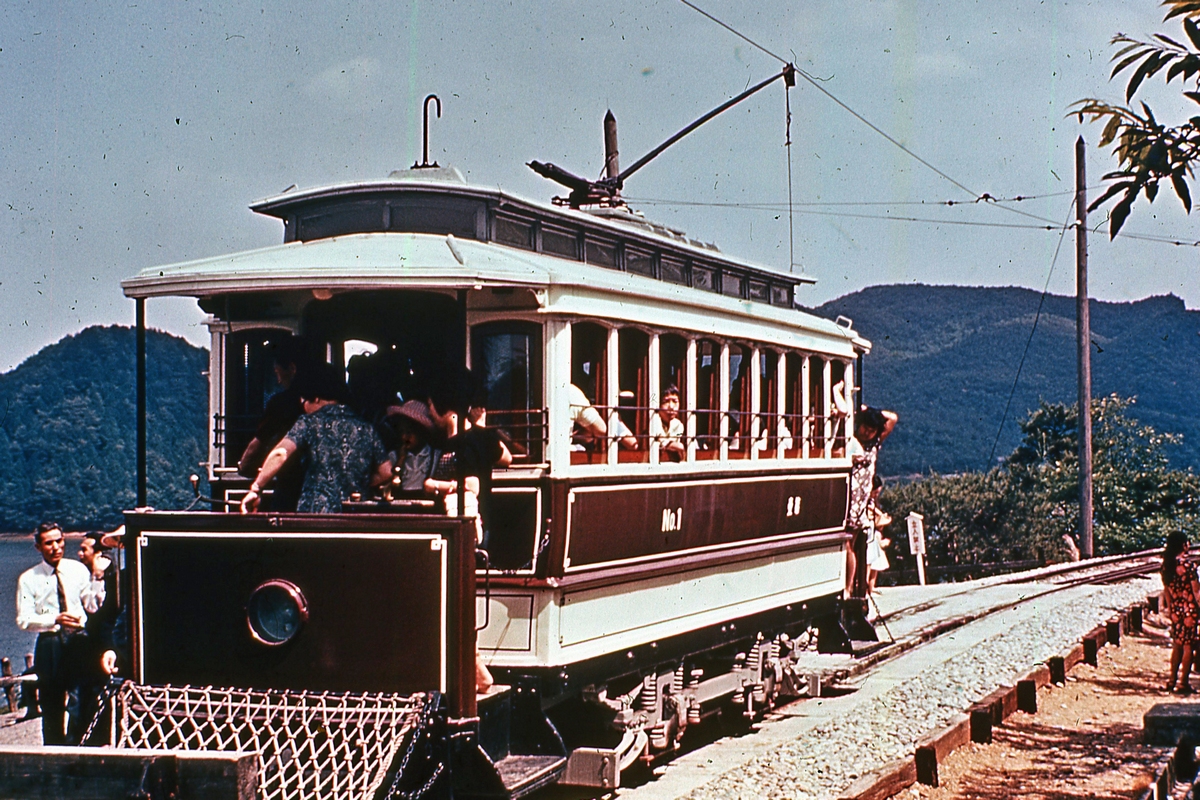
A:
x: 618, y: 523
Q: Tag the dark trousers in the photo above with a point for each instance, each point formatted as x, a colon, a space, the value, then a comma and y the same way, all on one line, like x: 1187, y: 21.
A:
x: 57, y: 671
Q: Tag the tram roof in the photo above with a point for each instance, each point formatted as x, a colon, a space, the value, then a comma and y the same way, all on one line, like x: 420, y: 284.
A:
x: 400, y: 260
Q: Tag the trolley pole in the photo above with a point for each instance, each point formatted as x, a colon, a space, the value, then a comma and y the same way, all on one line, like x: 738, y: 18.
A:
x: 1083, y: 337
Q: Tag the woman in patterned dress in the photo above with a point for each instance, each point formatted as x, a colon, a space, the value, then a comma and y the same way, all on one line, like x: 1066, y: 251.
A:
x: 1181, y: 597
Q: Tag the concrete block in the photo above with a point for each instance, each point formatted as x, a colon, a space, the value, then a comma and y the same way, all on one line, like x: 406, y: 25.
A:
x: 1167, y: 724
x: 82, y: 773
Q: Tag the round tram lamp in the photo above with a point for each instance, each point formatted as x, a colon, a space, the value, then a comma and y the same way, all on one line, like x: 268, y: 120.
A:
x: 276, y: 611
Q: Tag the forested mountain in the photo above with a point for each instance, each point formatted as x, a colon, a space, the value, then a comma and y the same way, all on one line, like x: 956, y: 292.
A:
x: 945, y: 357
x: 68, y: 428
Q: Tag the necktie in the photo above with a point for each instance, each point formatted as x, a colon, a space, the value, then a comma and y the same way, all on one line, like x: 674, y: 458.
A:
x: 62, y: 592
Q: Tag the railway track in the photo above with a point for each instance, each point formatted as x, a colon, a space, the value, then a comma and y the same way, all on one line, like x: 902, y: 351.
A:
x: 937, y: 630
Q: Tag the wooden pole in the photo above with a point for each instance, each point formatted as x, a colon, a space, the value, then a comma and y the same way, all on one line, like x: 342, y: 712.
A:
x: 1083, y: 331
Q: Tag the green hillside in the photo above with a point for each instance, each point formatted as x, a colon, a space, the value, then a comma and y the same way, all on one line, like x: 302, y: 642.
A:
x: 68, y: 429
x: 944, y: 358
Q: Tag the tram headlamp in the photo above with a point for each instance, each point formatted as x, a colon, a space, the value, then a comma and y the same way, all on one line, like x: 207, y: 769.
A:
x: 276, y: 611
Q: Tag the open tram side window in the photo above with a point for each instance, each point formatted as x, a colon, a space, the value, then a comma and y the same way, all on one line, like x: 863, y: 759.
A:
x: 506, y: 359
x: 589, y: 357
x: 741, y: 410
x: 772, y: 428
x: 672, y: 374
x: 708, y: 399
x: 633, y: 358
x: 795, y: 410
x: 819, y: 421
x: 841, y: 396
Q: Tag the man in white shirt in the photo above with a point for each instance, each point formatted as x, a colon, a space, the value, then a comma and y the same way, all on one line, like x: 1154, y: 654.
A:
x: 51, y: 600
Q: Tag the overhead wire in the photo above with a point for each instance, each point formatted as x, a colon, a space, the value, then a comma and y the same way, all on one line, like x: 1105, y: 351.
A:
x: 804, y: 208
x: 978, y: 197
x: 1036, y: 317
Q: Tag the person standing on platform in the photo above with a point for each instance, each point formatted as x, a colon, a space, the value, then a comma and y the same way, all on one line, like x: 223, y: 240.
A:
x: 1181, y: 601
x: 871, y: 427
x: 102, y: 612
x: 51, y: 600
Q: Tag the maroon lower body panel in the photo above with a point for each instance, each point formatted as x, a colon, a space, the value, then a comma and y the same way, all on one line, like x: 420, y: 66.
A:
x: 617, y: 523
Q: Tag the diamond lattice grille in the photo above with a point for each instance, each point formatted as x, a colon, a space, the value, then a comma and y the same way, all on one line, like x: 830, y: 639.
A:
x: 310, y: 745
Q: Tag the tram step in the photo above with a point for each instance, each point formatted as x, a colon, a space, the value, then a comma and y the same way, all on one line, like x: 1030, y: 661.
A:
x: 523, y: 774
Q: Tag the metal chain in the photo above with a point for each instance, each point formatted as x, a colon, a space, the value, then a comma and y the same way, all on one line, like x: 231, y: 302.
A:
x: 106, y: 695
x: 420, y: 731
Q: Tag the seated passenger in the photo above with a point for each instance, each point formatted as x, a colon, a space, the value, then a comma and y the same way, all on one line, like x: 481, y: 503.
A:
x: 666, y: 428
x: 589, y: 425
x: 345, y: 454
x: 413, y: 426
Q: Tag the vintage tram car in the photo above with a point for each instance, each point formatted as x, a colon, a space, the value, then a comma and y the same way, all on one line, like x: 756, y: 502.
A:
x: 627, y: 592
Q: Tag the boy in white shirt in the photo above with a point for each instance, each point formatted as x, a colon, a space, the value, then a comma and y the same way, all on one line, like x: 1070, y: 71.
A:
x: 667, y: 429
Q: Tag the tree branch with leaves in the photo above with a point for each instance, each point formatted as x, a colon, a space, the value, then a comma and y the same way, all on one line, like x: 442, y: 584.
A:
x: 1148, y: 151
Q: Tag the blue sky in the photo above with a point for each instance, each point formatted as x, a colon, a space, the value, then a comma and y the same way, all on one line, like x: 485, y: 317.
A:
x: 136, y: 134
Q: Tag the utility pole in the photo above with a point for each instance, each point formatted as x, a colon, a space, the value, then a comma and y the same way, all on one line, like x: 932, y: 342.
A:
x: 1083, y: 338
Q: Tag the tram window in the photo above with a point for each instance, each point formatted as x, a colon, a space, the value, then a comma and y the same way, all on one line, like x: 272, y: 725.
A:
x: 703, y: 278
x: 589, y: 353
x: 731, y: 284
x: 708, y: 399
x: 781, y: 295
x: 771, y: 427
x: 602, y: 254
x: 250, y: 382
x: 793, y: 406
x: 672, y: 371
x: 819, y: 414
x: 343, y: 218
x: 561, y: 243
x: 840, y: 410
x: 740, y: 407
x: 639, y: 262
x: 514, y: 232
x: 672, y: 363
x: 432, y: 214
x: 633, y: 358
x: 671, y: 270
x: 506, y: 358
x: 758, y: 291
